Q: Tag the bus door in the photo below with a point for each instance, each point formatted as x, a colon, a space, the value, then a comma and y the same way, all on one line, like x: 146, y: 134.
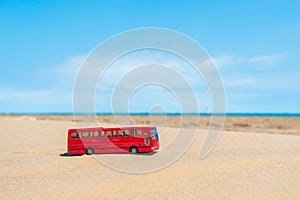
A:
x: 146, y: 139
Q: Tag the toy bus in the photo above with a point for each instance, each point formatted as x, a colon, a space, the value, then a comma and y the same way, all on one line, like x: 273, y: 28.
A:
x: 133, y: 139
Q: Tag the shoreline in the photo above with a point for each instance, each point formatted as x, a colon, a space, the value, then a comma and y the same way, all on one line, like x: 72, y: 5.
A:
x: 229, y: 114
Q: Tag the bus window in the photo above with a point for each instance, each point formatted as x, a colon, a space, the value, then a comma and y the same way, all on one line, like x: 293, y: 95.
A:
x: 85, y: 134
x: 111, y: 133
x: 132, y: 132
x: 114, y: 133
x: 108, y: 133
x: 74, y: 135
x: 154, y: 134
x: 98, y: 134
x: 136, y: 132
x: 123, y: 133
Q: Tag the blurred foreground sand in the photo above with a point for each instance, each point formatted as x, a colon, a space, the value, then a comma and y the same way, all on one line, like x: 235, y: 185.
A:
x: 245, y: 164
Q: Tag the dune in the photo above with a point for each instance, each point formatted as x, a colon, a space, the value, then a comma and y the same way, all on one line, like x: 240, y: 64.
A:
x: 255, y: 158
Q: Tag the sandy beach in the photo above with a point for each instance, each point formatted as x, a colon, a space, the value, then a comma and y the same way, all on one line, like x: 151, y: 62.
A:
x: 255, y: 158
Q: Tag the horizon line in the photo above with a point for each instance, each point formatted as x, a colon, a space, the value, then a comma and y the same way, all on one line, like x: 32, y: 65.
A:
x: 294, y: 114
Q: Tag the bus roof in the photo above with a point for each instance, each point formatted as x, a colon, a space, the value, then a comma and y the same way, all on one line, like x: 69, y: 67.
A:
x: 108, y: 128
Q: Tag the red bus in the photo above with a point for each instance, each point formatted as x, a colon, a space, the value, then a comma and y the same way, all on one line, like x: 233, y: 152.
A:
x: 109, y: 140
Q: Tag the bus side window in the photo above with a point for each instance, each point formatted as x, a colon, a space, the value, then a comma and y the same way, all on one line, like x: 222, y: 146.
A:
x: 136, y: 132
x: 113, y: 133
x: 86, y: 134
x: 75, y: 135
x: 120, y: 133
x: 132, y: 132
x: 126, y: 133
x: 123, y: 133
x: 98, y: 134
x: 108, y: 133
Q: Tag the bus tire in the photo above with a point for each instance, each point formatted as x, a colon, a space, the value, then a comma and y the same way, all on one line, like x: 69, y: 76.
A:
x: 89, y: 151
x: 133, y: 149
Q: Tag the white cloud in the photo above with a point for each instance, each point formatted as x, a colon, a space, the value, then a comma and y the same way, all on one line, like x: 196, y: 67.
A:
x: 15, y: 95
x: 162, y: 68
x: 71, y: 64
x: 64, y: 74
x: 267, y: 58
x: 227, y: 60
x: 240, y: 82
x: 50, y: 91
x: 232, y: 59
x: 130, y: 64
x: 58, y: 93
x: 26, y: 100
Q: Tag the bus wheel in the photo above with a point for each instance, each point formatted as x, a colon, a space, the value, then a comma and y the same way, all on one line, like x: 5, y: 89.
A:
x: 133, y: 149
x: 89, y: 151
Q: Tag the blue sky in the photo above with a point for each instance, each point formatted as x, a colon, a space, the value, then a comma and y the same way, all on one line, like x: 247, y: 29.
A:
x: 255, y: 45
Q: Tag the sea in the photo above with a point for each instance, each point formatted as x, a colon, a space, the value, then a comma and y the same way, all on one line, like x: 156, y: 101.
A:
x: 231, y: 114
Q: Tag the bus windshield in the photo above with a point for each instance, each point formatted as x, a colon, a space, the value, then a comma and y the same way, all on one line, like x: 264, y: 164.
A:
x: 154, y: 134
